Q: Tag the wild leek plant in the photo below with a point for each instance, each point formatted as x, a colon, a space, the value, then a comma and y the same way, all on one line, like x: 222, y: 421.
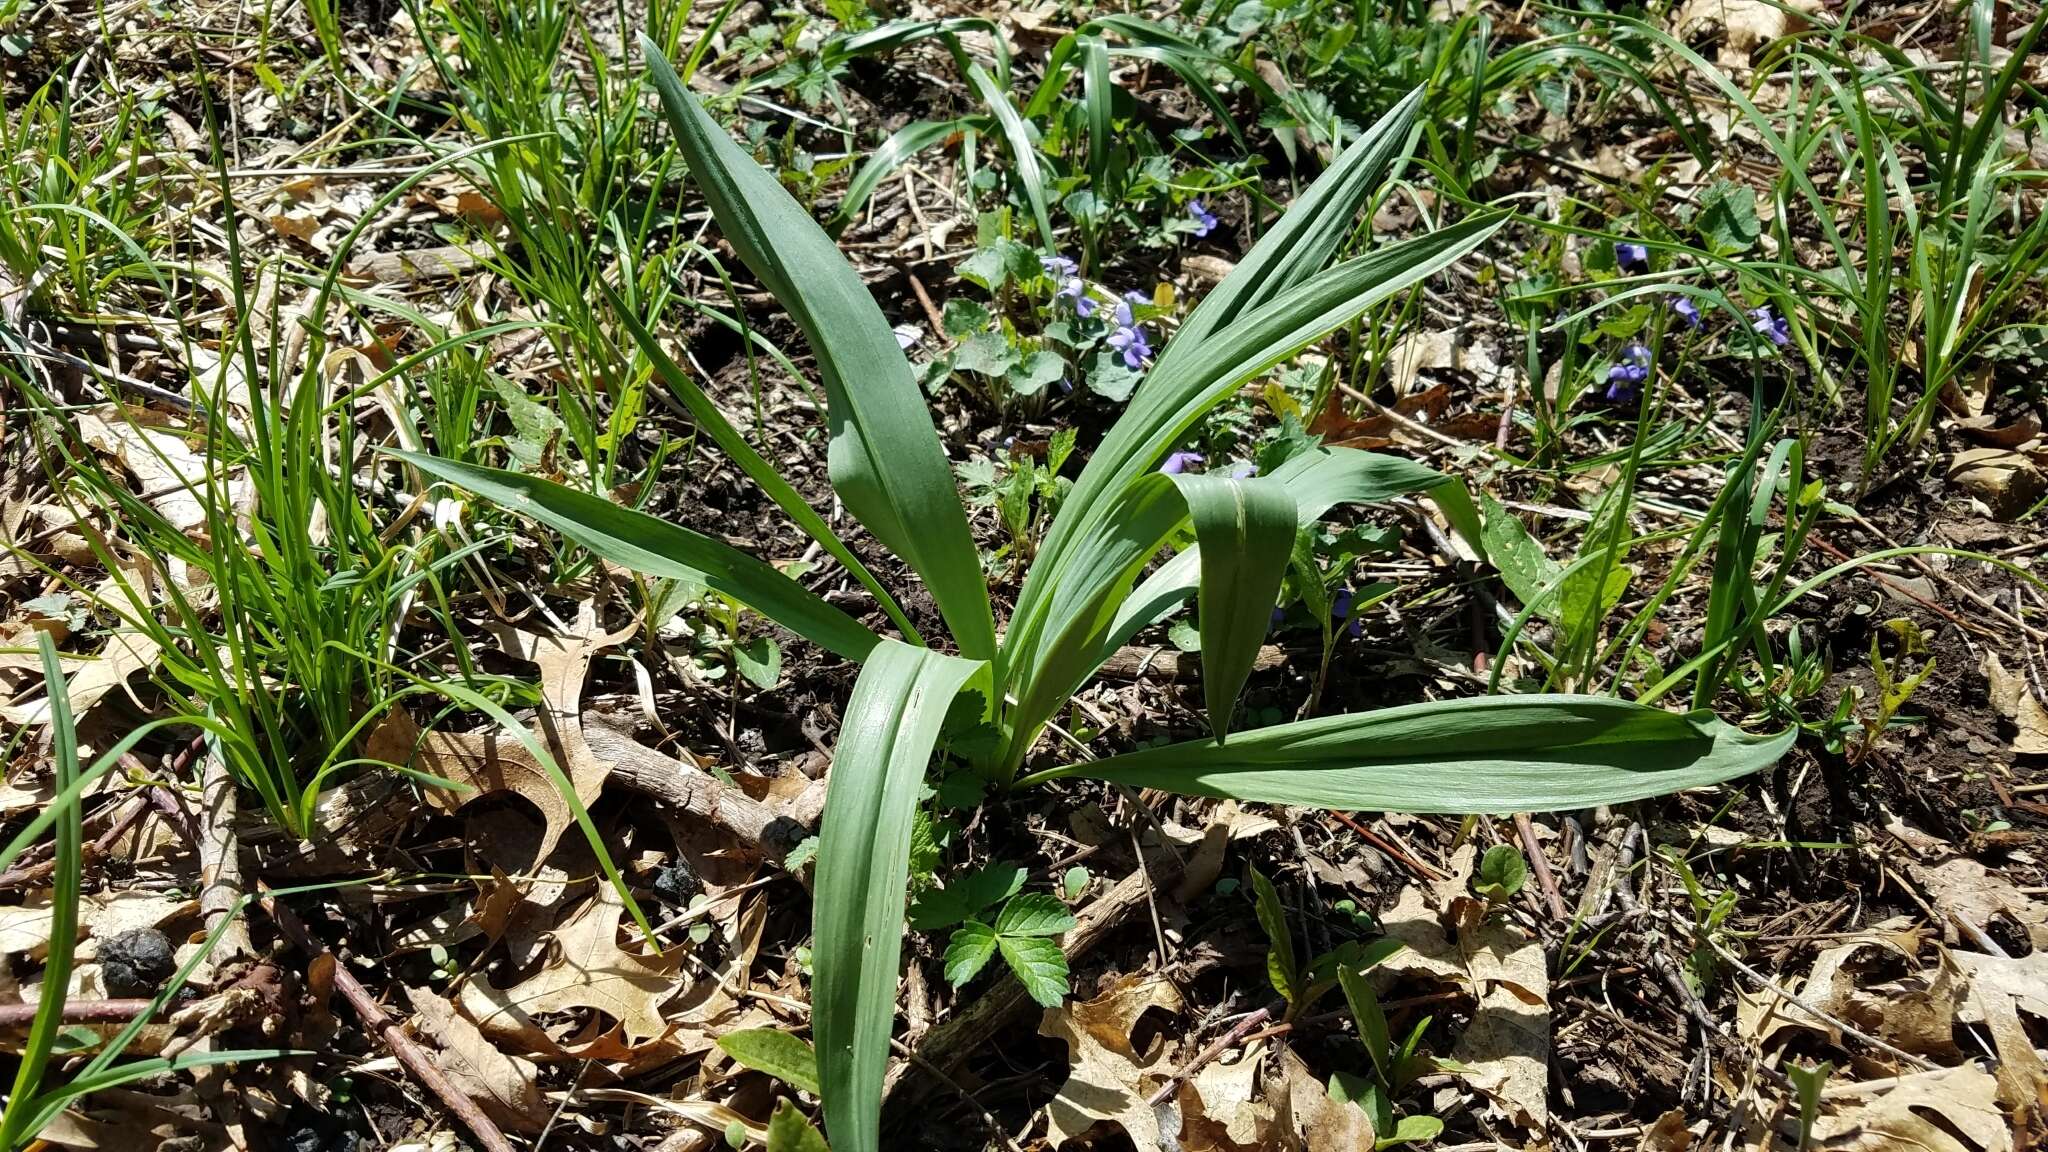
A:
x: 1082, y: 595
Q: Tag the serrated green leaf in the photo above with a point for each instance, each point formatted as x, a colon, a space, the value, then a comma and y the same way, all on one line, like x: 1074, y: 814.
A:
x: 1040, y: 966
x: 1034, y: 914
x: 968, y: 951
x: 966, y: 896
x: 787, y: 1058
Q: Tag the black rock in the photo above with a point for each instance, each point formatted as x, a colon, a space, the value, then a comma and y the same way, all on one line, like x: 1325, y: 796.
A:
x: 137, y: 962
x: 678, y: 883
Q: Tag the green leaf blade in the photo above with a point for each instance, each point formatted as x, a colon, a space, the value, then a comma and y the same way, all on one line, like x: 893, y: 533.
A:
x: 884, y: 457
x: 1040, y: 966
x: 787, y: 1058
x: 1487, y: 754
x: 892, y: 722
x: 969, y: 951
x: 1034, y: 914
x: 653, y: 546
x: 1246, y: 532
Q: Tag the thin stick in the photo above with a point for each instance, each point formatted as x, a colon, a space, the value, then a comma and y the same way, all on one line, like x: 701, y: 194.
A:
x: 1244, y: 1028
x: 116, y: 1011
x: 1541, y: 864
x: 391, y: 1031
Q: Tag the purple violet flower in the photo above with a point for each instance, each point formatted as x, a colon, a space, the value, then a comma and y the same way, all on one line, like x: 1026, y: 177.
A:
x: 1637, y: 353
x: 1279, y: 615
x: 1205, y: 220
x: 1632, y: 257
x: 1340, y: 604
x: 1244, y: 471
x: 1356, y: 627
x: 1178, y: 462
x: 1058, y: 267
x: 1623, y: 379
x: 1688, y: 312
x: 1075, y: 291
x: 1770, y: 324
x: 1126, y: 335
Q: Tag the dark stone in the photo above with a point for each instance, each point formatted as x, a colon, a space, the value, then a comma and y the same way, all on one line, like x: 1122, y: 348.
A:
x: 137, y: 962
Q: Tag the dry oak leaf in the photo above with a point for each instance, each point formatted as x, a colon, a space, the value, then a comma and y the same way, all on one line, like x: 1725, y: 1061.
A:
x: 1217, y: 1113
x: 1999, y: 990
x: 491, y: 762
x: 1962, y: 887
x: 1110, y: 1079
x: 1916, y: 1013
x: 1746, y: 24
x: 586, y: 968
x: 1949, y: 1110
x: 505, y: 1087
x: 125, y: 654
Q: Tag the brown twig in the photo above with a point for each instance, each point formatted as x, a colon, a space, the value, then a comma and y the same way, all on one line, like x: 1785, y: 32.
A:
x: 391, y: 1031
x: 1413, y: 865
x: 1541, y: 864
x: 1222, y: 1044
x: 118, y: 1011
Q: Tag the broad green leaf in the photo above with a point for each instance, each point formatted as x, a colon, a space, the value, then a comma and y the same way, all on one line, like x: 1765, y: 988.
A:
x: 1485, y: 754
x: 942, y: 907
x: 1318, y: 480
x: 1519, y: 559
x: 788, y: 1131
x: 1281, y: 967
x: 1303, y: 240
x: 1040, y: 966
x: 759, y: 660
x: 1169, y: 403
x: 885, y: 459
x: 899, y: 704
x: 1411, y: 1130
x: 968, y: 951
x: 1034, y: 914
x: 1246, y: 532
x: 771, y: 1050
x: 1502, y: 872
x: 655, y: 547
x: 712, y: 421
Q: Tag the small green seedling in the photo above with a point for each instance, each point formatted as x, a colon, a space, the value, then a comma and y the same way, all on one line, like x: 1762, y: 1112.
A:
x: 1502, y: 873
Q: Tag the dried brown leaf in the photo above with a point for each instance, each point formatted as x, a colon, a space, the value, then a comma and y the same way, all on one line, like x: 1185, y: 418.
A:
x: 2015, y: 701
x: 1109, y: 1079
x: 505, y: 1087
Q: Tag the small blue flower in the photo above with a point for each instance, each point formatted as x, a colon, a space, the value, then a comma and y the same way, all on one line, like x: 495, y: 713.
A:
x: 1244, y: 471
x: 1631, y: 257
x: 1074, y: 290
x: 1279, y: 616
x: 1205, y: 220
x: 1178, y: 462
x: 1688, y: 312
x: 1637, y: 353
x: 1340, y: 604
x: 1126, y: 335
x: 1356, y: 627
x: 1770, y: 324
x: 1624, y: 378
x: 1059, y: 267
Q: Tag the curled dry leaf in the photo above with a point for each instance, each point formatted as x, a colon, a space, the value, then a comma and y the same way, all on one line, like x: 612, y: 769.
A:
x: 2001, y: 990
x: 1965, y: 889
x: 1307, y: 1118
x: 1916, y: 1013
x: 1217, y: 1112
x: 1949, y: 1110
x: 124, y: 654
x: 2015, y: 701
x: 2007, y: 482
x: 1505, y: 1050
x: 1110, y: 1080
x: 505, y: 1087
x: 586, y: 968
x: 493, y: 762
x: 1746, y: 24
